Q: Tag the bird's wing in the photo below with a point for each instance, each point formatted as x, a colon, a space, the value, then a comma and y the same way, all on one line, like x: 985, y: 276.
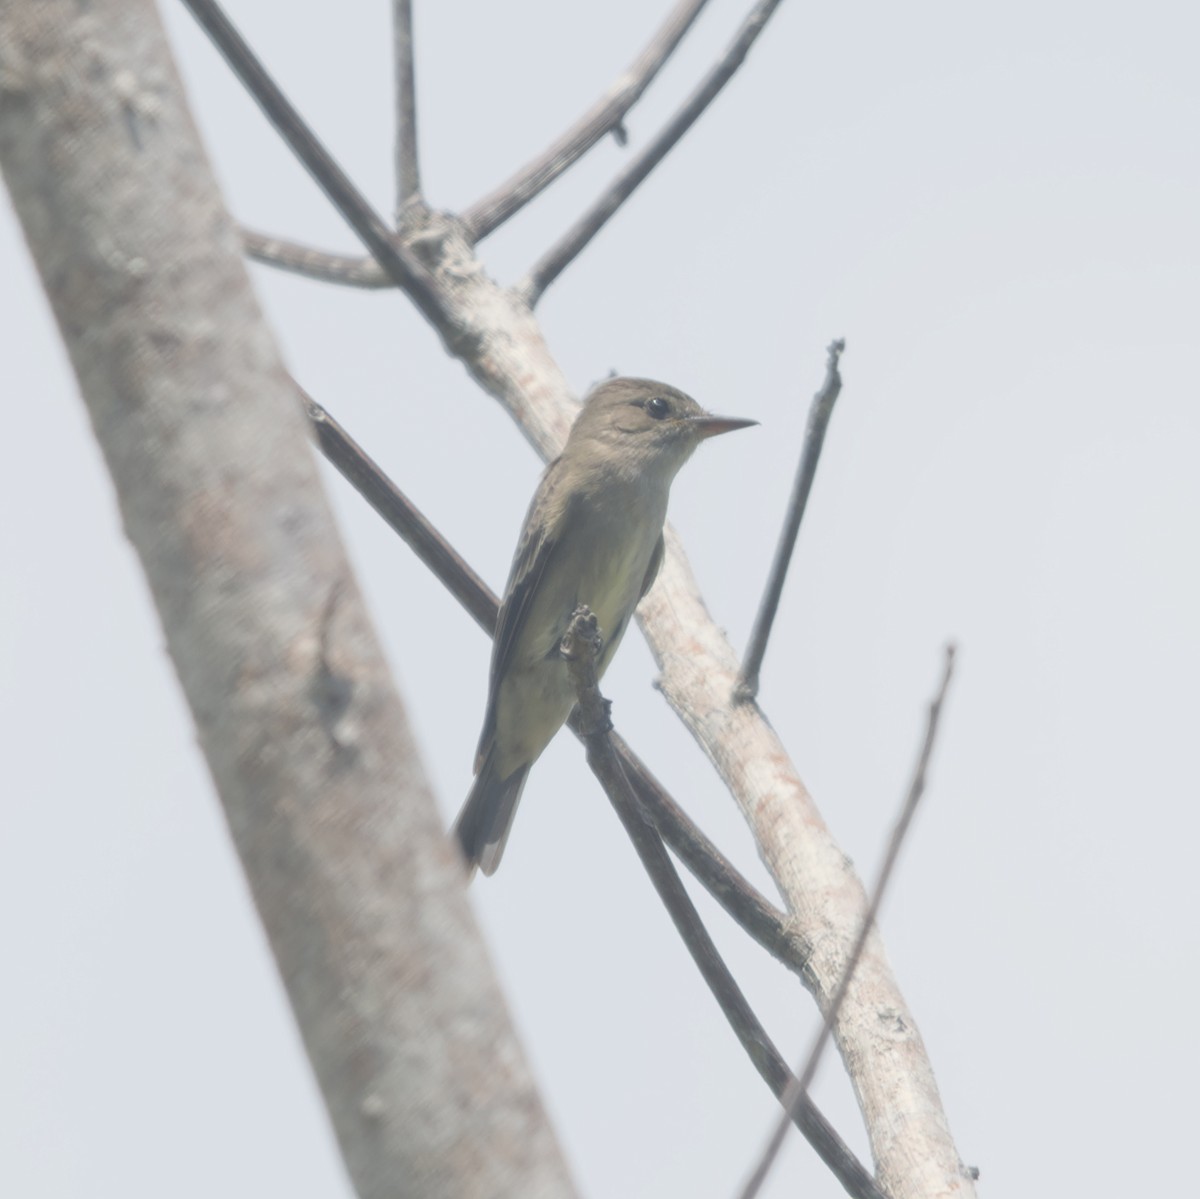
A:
x: 656, y: 559
x: 613, y: 638
x: 534, y: 553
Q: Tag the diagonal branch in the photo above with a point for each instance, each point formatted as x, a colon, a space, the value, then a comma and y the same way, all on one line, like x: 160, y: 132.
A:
x: 347, y: 270
x: 560, y: 255
x: 579, y: 648
x: 408, y: 168
x: 798, y: 1087
x: 810, y: 454
x: 603, y: 117
x: 768, y: 926
x: 398, y: 511
x: 778, y: 934
x: 396, y: 260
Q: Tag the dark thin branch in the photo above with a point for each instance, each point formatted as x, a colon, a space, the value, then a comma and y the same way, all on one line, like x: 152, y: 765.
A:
x: 579, y: 648
x: 810, y: 454
x: 774, y: 931
x: 402, y: 516
x: 559, y: 256
x: 408, y: 167
x: 605, y: 116
x: 345, y: 269
x: 798, y: 1088
x: 737, y: 896
x: 398, y: 263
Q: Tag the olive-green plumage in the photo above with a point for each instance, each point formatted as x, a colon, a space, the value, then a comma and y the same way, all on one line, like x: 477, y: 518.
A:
x: 593, y: 535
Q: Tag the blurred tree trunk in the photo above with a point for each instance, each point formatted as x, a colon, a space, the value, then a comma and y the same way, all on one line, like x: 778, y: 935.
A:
x: 306, y: 739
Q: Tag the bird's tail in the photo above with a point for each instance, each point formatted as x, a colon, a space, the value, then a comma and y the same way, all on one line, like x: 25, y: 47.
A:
x: 483, y: 825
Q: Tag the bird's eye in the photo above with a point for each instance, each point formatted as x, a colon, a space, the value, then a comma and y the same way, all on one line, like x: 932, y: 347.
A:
x: 658, y: 408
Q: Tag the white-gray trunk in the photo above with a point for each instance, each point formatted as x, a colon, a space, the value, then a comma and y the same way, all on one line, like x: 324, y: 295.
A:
x: 361, y: 895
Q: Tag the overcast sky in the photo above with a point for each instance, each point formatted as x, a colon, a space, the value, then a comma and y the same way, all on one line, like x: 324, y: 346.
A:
x: 998, y: 211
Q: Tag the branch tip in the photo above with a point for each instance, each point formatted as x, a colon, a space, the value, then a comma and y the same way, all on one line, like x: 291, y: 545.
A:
x: 605, y: 116
x: 819, y: 412
x: 569, y: 246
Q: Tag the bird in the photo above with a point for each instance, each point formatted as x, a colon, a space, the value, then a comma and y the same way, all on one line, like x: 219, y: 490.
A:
x: 593, y: 535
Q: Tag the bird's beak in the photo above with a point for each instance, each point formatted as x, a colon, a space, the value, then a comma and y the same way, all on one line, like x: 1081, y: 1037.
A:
x: 711, y: 426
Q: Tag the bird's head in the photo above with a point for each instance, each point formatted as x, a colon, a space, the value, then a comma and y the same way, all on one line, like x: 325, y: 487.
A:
x: 645, y: 422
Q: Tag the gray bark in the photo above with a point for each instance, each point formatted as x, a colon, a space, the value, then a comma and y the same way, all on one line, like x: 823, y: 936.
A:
x: 362, y: 898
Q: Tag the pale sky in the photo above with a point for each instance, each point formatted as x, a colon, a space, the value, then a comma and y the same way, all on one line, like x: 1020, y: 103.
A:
x: 997, y: 210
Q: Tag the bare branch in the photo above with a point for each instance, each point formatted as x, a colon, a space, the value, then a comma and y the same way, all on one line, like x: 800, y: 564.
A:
x: 560, y: 255
x: 775, y: 932
x: 810, y: 454
x: 402, y: 516
x: 798, y: 1088
x: 322, y: 265
x: 395, y: 259
x: 603, y: 117
x: 743, y: 902
x: 408, y: 169
x: 579, y: 648
x: 893, y: 1079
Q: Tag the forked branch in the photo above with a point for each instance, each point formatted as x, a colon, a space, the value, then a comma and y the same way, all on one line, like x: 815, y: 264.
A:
x: 563, y: 253
x: 605, y: 116
x: 396, y: 260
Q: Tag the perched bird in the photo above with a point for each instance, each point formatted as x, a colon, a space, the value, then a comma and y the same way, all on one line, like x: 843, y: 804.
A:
x: 593, y: 535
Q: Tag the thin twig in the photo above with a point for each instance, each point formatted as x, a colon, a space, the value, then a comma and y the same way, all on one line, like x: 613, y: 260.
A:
x: 560, y: 255
x: 737, y: 896
x: 810, y: 454
x: 394, y: 258
x: 349, y: 270
x: 798, y: 1089
x: 579, y: 649
x: 408, y: 167
x: 603, y: 117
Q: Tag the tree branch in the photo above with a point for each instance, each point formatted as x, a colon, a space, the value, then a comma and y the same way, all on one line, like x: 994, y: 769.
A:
x: 810, y: 454
x: 408, y: 169
x: 603, y: 117
x: 799, y: 1086
x: 776, y: 932
x: 322, y: 265
x: 560, y: 255
x: 396, y: 260
x: 579, y: 647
